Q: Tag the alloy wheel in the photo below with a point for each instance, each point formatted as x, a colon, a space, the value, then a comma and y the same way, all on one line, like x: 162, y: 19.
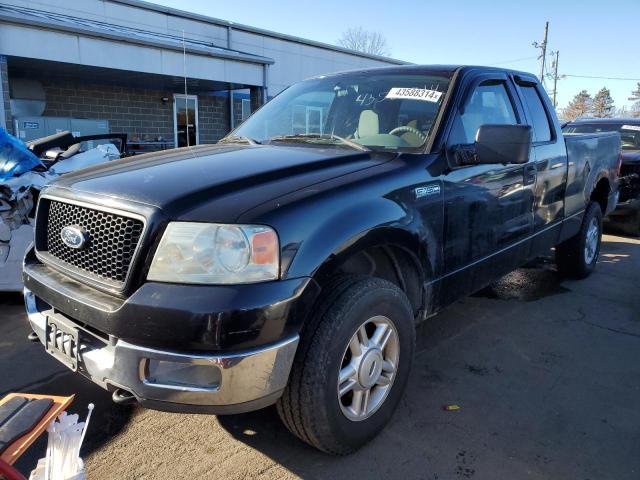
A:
x: 368, y: 368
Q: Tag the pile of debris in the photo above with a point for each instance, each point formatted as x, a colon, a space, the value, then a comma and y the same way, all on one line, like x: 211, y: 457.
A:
x: 24, y: 170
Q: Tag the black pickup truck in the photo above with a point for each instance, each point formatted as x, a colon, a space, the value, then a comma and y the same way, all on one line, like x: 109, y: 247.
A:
x: 290, y: 263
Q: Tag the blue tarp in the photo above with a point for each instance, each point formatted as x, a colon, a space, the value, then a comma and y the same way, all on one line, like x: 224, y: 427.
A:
x: 15, y: 157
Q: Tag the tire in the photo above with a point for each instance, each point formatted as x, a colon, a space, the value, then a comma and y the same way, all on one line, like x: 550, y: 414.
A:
x: 573, y: 258
x: 311, y: 406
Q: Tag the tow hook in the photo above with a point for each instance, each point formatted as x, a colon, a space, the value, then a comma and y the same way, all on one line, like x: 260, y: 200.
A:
x: 122, y: 397
x: 33, y: 337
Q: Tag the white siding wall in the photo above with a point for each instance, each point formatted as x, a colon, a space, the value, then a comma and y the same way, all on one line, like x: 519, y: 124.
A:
x: 294, y: 60
x: 33, y: 42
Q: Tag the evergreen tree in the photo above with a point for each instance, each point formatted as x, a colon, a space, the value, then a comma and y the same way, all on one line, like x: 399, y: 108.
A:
x: 579, y: 106
x: 603, y: 104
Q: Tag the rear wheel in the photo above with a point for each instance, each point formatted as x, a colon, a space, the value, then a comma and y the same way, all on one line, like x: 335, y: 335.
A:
x: 577, y: 257
x: 351, y: 366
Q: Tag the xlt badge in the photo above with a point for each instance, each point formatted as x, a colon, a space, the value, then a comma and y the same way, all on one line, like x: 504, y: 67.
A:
x: 426, y: 190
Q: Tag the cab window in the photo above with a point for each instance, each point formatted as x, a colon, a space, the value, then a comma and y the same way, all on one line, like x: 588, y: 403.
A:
x: 489, y: 104
x: 537, y: 113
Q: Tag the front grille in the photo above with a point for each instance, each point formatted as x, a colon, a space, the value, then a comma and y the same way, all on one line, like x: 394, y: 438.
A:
x: 111, y: 240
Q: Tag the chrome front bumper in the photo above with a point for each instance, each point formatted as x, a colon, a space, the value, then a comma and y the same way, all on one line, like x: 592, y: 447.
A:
x: 246, y: 380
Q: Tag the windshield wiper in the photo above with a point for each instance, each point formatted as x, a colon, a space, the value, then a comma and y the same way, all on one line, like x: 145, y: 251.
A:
x: 239, y: 139
x: 302, y: 137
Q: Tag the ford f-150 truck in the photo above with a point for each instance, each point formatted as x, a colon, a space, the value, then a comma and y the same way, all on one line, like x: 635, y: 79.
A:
x: 290, y: 262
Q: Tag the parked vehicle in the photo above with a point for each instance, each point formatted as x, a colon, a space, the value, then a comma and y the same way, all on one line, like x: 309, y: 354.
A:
x: 626, y: 216
x: 290, y: 263
x: 24, y: 170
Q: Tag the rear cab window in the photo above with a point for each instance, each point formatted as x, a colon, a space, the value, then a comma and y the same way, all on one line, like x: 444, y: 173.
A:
x: 537, y: 113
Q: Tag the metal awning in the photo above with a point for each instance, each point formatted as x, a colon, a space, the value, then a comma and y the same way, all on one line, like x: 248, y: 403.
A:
x: 94, y: 28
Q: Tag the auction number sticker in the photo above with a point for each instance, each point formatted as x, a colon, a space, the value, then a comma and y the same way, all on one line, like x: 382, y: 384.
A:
x: 414, y: 94
x: 631, y: 127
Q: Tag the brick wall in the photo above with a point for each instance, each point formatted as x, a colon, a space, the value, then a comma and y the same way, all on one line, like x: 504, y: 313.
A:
x: 256, y: 95
x: 137, y: 112
x: 4, y: 78
x: 213, y: 118
x: 237, y: 111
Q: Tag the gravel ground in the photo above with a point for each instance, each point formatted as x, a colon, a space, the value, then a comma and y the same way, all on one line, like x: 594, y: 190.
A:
x: 545, y: 371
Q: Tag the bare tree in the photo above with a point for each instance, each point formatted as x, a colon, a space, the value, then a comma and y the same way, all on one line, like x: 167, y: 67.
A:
x: 635, y: 98
x: 603, y: 104
x: 357, y: 38
x: 579, y: 106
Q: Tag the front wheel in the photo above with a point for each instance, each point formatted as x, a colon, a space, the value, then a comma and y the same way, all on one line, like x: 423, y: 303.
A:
x: 577, y: 257
x: 352, y: 365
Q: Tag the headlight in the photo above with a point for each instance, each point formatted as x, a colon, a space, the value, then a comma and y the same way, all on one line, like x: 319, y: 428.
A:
x: 216, y: 254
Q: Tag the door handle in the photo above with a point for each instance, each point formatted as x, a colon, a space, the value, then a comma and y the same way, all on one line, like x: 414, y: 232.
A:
x: 530, y: 174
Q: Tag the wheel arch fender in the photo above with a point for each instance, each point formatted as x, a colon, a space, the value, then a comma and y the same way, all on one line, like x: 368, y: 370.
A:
x: 599, y: 190
x: 365, y: 225
x: 360, y: 224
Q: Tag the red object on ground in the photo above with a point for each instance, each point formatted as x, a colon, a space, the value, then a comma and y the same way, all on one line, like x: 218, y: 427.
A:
x: 9, y: 472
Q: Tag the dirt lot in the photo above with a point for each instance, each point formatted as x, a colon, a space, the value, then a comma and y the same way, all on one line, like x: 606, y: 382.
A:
x: 546, y: 372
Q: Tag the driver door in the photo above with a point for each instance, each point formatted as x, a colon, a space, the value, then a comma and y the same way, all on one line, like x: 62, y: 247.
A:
x: 488, y: 209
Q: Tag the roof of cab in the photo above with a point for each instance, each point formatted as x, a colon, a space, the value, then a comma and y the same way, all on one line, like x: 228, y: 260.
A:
x: 428, y: 69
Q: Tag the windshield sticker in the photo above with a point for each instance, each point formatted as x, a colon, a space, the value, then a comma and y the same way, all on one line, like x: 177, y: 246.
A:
x: 631, y: 127
x: 414, y: 94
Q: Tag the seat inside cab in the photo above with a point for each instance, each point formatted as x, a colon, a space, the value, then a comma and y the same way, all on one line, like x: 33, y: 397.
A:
x: 398, y: 123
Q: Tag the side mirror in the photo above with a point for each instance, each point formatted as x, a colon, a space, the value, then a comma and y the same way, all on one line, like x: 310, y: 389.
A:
x: 503, y: 144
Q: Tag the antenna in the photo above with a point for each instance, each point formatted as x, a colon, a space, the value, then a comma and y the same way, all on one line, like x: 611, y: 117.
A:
x: 186, y: 102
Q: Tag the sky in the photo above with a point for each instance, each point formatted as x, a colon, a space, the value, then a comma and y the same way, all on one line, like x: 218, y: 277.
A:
x: 594, y: 38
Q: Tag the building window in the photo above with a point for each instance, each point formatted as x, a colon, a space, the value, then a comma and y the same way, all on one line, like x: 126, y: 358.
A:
x: 307, y: 119
x: 246, y: 108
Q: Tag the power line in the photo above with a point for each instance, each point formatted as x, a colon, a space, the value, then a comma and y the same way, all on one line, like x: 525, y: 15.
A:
x: 603, y: 78
x: 515, y: 60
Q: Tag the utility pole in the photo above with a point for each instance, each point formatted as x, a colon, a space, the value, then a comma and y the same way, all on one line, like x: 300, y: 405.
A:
x: 543, y: 46
x: 554, y: 65
x: 554, y: 76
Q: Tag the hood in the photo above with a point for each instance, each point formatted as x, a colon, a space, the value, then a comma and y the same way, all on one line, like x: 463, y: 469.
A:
x: 181, y: 180
x: 630, y: 156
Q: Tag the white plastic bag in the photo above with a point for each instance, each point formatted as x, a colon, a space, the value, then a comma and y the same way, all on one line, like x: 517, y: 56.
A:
x: 102, y: 153
x: 63, y: 460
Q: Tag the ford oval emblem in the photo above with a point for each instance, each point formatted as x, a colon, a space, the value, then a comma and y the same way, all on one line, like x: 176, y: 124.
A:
x: 73, y: 237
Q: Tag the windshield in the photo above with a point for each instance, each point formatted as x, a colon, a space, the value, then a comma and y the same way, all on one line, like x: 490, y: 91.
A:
x: 379, y: 111
x: 629, y: 134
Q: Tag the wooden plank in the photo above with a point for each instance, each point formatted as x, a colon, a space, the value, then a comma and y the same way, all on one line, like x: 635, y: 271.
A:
x: 17, y: 448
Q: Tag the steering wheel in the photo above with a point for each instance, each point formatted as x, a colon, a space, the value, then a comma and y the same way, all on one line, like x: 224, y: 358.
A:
x: 406, y: 129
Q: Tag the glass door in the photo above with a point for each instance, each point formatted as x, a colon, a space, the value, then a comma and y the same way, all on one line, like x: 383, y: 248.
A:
x: 185, y: 120
x: 307, y: 119
x: 314, y: 120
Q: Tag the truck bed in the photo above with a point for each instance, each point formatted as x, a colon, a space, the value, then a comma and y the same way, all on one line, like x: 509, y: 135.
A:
x: 590, y: 158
